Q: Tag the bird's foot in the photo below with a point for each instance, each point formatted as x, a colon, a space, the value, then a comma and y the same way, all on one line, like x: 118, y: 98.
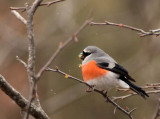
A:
x: 90, y: 89
x: 105, y: 92
x: 106, y: 100
x: 105, y: 95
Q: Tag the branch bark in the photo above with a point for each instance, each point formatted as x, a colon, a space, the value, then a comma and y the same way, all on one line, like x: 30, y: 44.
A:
x: 126, y: 112
x: 31, y: 48
x: 35, y: 111
x: 31, y: 58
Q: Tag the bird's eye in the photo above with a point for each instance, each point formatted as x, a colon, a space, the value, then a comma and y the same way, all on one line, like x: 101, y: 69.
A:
x: 86, y: 53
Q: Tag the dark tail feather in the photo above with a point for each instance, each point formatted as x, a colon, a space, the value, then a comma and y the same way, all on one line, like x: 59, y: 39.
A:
x: 138, y: 90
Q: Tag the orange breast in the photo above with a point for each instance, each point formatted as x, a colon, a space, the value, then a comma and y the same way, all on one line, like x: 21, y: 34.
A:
x: 91, y: 71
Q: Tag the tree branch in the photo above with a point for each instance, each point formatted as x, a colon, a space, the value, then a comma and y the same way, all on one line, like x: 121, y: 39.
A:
x: 31, y: 58
x: 133, y: 93
x: 154, y: 86
x: 35, y: 111
x: 15, y: 13
x: 141, y: 32
x: 148, y: 86
x: 21, y: 61
x: 61, y: 47
x: 50, y: 3
x: 157, y: 115
x: 128, y: 113
x: 41, y: 4
x: 31, y: 48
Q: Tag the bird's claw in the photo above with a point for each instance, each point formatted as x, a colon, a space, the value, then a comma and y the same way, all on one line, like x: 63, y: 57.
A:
x: 105, y: 92
x: 105, y: 95
x: 90, y: 89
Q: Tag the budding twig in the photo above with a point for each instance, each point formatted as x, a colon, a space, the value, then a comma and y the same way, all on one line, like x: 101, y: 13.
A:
x: 61, y: 47
x: 128, y: 113
x: 141, y: 32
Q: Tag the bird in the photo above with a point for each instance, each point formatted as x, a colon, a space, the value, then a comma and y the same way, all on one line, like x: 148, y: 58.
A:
x: 103, y: 72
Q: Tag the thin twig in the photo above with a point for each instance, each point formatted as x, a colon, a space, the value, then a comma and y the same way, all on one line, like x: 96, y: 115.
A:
x: 50, y: 3
x: 132, y: 110
x: 132, y: 94
x: 21, y: 61
x: 114, y: 111
x: 128, y: 113
x: 14, y: 12
x: 148, y: 86
x: 141, y: 32
x: 18, y: 8
x: 61, y: 47
x: 157, y: 115
x: 41, y: 4
x: 153, y: 84
x: 35, y: 111
x: 68, y: 76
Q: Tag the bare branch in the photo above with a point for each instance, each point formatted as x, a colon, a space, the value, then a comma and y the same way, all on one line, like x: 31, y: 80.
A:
x: 154, y: 86
x: 14, y: 12
x: 128, y: 113
x: 61, y: 47
x: 18, y: 8
x: 21, y: 61
x: 31, y: 48
x: 20, y: 100
x: 132, y: 110
x: 148, y: 86
x: 114, y: 111
x: 41, y: 4
x: 50, y: 3
x: 31, y: 58
x: 68, y: 76
x: 132, y: 94
x: 157, y: 115
x: 141, y: 32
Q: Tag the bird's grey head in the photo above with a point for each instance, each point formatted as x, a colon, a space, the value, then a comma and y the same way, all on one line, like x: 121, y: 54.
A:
x: 91, y: 52
x: 94, y: 53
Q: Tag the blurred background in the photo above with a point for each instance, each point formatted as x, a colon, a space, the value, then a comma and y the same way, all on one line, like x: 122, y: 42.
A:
x: 64, y: 98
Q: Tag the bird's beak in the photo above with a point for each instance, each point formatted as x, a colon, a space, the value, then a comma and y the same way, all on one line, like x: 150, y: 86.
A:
x: 81, y: 56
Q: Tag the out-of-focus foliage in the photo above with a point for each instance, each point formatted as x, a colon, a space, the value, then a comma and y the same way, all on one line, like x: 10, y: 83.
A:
x: 64, y: 98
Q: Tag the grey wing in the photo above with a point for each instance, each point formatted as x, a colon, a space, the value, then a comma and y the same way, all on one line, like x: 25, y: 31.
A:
x: 114, y: 67
x: 124, y: 76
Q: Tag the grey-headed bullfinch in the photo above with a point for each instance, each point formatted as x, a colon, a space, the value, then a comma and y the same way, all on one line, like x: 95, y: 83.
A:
x: 103, y: 72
